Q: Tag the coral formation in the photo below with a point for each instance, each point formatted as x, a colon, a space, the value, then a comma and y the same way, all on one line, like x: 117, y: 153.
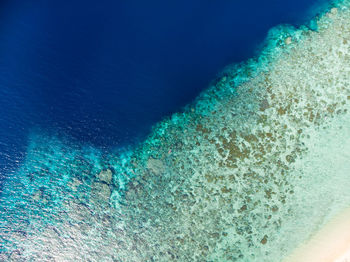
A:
x: 242, y: 174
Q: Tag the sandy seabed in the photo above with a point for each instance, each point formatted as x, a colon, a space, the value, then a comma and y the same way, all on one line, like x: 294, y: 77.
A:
x: 330, y: 244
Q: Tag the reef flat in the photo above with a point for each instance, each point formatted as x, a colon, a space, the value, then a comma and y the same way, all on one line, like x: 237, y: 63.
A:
x: 248, y: 171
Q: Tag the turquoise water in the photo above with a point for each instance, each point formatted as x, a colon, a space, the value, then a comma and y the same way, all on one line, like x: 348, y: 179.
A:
x: 249, y: 170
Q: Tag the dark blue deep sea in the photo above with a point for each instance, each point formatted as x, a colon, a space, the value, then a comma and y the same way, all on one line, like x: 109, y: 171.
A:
x: 102, y: 72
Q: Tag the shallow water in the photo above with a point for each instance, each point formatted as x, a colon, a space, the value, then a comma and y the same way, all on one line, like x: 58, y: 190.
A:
x: 250, y: 169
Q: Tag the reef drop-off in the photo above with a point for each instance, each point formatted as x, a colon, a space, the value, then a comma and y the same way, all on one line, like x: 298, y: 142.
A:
x: 249, y: 170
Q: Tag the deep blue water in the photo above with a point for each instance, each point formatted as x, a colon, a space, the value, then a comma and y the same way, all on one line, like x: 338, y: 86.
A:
x: 102, y: 72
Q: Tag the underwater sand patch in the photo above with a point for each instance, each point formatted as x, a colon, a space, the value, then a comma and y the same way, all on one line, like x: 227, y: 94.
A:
x: 330, y: 244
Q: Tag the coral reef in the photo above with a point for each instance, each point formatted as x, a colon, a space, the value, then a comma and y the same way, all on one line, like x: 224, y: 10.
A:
x: 254, y: 166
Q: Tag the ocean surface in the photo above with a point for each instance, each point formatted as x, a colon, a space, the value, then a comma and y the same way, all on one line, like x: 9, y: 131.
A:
x: 103, y: 73
x: 157, y: 131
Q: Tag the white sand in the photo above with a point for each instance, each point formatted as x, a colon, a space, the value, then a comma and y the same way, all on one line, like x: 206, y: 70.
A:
x: 330, y: 244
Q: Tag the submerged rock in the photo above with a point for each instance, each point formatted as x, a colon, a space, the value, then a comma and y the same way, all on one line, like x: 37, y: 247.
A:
x: 105, y: 176
x: 156, y: 166
x: 100, y: 193
x: 288, y: 40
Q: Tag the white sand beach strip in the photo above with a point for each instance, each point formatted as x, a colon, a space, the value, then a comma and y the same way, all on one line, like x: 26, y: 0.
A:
x: 330, y: 244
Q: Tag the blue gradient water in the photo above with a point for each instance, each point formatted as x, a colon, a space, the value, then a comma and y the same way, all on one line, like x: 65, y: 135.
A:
x: 103, y: 73
x: 248, y: 171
